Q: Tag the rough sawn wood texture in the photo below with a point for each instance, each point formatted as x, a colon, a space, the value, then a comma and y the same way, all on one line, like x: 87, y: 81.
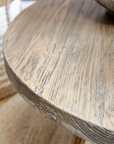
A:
x: 59, y: 55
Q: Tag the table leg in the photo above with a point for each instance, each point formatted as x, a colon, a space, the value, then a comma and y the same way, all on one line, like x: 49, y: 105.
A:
x: 77, y: 140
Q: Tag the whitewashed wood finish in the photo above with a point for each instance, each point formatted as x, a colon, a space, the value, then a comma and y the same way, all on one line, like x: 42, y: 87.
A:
x: 59, y: 55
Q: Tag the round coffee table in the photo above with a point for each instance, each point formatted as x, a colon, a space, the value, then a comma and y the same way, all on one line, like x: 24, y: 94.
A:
x: 59, y: 55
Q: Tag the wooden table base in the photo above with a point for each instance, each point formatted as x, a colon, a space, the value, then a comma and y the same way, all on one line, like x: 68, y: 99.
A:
x: 19, y: 123
x: 77, y: 140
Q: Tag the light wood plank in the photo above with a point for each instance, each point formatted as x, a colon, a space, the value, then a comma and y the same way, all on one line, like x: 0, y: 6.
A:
x: 59, y: 55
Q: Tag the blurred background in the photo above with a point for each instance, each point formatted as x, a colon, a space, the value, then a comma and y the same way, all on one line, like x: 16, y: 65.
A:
x: 9, y: 9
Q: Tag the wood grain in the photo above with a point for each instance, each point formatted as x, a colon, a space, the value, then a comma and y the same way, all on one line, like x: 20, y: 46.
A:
x: 59, y: 55
x: 21, y: 124
x: 6, y: 88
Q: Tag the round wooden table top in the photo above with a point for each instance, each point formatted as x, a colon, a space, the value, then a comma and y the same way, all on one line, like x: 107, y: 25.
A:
x: 59, y: 55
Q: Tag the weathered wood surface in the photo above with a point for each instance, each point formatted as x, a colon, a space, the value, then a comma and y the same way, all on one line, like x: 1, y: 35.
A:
x: 19, y: 123
x: 59, y: 55
x: 5, y: 86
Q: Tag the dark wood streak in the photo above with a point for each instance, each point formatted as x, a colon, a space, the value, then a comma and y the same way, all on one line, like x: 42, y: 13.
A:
x: 108, y: 4
x: 61, y: 60
x: 77, y: 140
